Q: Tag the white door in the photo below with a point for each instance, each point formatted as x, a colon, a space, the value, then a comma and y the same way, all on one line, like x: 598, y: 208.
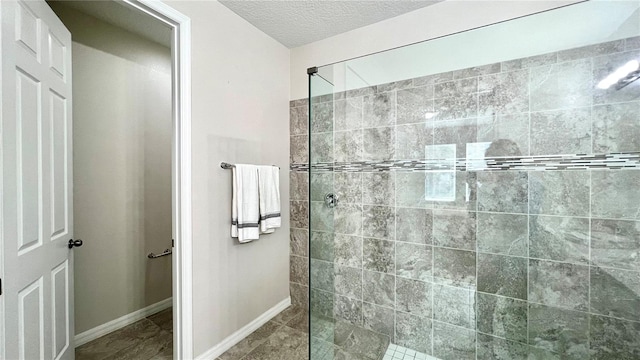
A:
x: 37, y: 222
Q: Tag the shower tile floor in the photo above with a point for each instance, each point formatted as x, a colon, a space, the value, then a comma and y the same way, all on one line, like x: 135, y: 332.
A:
x: 396, y: 352
x: 149, y: 338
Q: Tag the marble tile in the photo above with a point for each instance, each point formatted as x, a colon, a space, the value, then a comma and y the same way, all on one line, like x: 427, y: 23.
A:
x: 322, y: 245
x: 508, y: 134
x: 559, y: 284
x: 454, y: 267
x: 379, y: 188
x: 456, y: 87
x: 414, y: 225
x: 348, y: 187
x: 321, y: 148
x: 410, y: 190
x: 477, y: 71
x: 361, y: 91
x: 454, y: 305
x: 433, y: 79
x: 561, y: 132
x: 348, y: 219
x: 493, y: 348
x: 299, y: 149
x: 322, y: 328
x: 591, y: 50
x: 285, y: 343
x: 453, y: 342
x: 321, y: 303
x: 379, y: 109
x: 378, y: 143
x: 412, y: 139
x: 502, y: 275
x: 299, y: 214
x: 164, y: 319
x: 562, y: 85
x: 614, y: 194
x: 348, y: 281
x: 378, y: 319
x: 321, y: 217
x: 529, y: 62
x: 557, y: 238
x: 299, y: 295
x: 322, y: 275
x: 348, y: 145
x: 322, y: 117
x: 347, y: 309
x: 502, y: 233
x: 145, y: 349
x: 615, y: 293
x: 300, y: 322
x: 614, y: 338
x: 298, y: 185
x: 503, y: 93
x: 559, y: 193
x: 564, y: 332
x: 378, y: 288
x: 414, y: 297
x: 322, y: 183
x: 454, y: 229
x: 299, y: 120
x: 396, y: 85
x: 299, y: 102
x: 348, y: 113
x: 615, y: 243
x: 607, y: 64
x: 463, y: 106
x: 413, y: 332
x: 251, y: 342
x: 348, y: 250
x: 118, y: 340
x: 378, y: 255
x: 616, y: 127
x: 299, y: 242
x: 366, y: 343
x: 299, y: 269
x: 289, y: 314
x: 459, y: 131
x: 502, y: 317
x: 503, y: 191
x: 465, y: 193
x: 378, y: 221
x: 414, y: 261
x: 632, y: 43
x: 414, y: 103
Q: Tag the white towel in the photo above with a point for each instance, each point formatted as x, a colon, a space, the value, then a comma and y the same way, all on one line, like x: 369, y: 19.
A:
x: 245, y: 207
x: 269, y: 185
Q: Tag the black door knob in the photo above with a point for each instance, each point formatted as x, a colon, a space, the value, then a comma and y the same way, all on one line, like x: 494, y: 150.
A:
x: 75, y: 243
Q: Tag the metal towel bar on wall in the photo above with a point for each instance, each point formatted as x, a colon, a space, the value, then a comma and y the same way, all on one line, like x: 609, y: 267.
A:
x: 225, y: 165
x: 164, y: 253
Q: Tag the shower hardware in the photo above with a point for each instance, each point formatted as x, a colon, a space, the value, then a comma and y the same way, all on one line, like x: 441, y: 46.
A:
x: 331, y: 200
x: 164, y: 253
x: 227, y: 166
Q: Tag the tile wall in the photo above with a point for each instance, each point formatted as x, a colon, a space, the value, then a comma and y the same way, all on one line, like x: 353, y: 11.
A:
x: 505, y: 264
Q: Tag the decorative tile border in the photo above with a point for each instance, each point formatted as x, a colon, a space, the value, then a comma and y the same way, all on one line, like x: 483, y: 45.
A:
x: 612, y: 161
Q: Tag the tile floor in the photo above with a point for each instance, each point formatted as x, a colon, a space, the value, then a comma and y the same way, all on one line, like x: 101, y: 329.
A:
x: 396, y: 352
x: 150, y: 338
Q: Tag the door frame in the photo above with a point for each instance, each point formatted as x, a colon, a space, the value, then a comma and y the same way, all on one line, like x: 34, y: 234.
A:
x: 180, y: 170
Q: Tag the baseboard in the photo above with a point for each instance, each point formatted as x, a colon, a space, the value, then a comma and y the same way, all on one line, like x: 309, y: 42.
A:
x: 121, y: 322
x: 245, y: 331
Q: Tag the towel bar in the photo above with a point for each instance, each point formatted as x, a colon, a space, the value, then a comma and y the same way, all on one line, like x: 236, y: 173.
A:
x: 164, y: 253
x: 225, y: 165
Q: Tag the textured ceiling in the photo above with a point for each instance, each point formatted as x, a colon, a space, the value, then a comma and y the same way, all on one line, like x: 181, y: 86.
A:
x: 117, y: 14
x: 299, y: 22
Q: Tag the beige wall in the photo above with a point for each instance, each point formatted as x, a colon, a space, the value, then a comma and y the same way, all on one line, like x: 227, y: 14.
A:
x: 122, y: 169
x: 240, y: 99
x: 441, y: 19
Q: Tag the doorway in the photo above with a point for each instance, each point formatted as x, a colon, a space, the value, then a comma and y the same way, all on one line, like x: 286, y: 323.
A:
x: 37, y: 306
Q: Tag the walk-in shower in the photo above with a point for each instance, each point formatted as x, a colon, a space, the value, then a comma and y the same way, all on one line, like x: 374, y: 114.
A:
x: 477, y: 196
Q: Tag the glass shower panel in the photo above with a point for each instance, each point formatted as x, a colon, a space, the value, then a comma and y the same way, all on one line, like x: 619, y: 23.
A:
x: 488, y: 187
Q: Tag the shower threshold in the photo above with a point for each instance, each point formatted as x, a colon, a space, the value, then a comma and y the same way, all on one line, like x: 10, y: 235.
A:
x: 397, y: 352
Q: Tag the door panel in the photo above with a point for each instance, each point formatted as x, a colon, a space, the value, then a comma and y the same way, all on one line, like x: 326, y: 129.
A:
x: 37, y: 300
